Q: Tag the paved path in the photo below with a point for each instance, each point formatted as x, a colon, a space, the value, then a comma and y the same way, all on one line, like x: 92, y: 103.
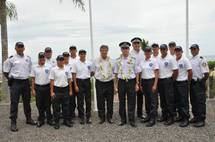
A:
x: 105, y: 132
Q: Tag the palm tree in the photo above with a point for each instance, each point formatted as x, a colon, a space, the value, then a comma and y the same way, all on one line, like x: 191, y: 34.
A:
x: 145, y: 43
x: 7, y: 10
x: 78, y: 3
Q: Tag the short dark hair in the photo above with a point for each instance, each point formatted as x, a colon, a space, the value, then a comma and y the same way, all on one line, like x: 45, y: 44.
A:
x: 65, y: 54
x: 82, y: 51
x: 104, y: 46
x: 73, y: 47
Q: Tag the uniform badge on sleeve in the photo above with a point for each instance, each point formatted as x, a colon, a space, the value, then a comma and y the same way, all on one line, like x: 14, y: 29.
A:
x: 204, y: 64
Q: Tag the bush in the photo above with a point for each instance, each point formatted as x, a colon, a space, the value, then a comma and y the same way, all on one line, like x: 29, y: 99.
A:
x: 211, y: 65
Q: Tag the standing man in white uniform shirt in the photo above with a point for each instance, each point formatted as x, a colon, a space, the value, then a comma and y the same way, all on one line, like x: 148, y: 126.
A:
x: 61, y: 89
x: 172, y: 46
x: 168, y: 73
x: 41, y: 90
x: 81, y: 72
x: 155, y: 51
x: 73, y: 99
x: 17, y: 69
x: 127, y: 75
x: 137, y: 53
x: 198, y: 87
x: 181, y: 86
x: 149, y: 80
x: 49, y: 60
x: 103, y: 71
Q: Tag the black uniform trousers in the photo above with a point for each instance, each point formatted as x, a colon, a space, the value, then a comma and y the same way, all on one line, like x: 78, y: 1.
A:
x: 181, y: 91
x: 105, y: 94
x: 84, y: 95
x: 139, y: 103
x: 61, y: 100
x: 150, y: 98
x: 72, y: 102
x: 127, y: 88
x: 20, y: 87
x: 176, y: 100
x: 43, y: 102
x: 198, y: 99
x: 165, y: 88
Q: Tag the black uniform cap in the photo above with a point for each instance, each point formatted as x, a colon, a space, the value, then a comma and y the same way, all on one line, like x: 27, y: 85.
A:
x: 163, y: 46
x: 124, y: 44
x: 48, y: 49
x: 178, y: 48
x: 65, y: 54
x: 60, y: 58
x: 19, y: 44
x: 194, y: 46
x: 155, y: 45
x: 136, y: 39
x: 41, y: 55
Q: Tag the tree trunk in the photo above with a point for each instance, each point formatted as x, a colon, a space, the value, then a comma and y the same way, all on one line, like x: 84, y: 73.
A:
x: 4, y: 41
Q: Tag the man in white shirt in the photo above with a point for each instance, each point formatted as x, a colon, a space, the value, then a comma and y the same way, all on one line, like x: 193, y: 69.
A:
x: 127, y: 76
x: 73, y: 99
x: 198, y: 87
x: 81, y: 72
x: 149, y: 79
x: 41, y: 90
x: 137, y: 53
x: 49, y: 60
x: 155, y: 49
x: 172, y: 46
x: 61, y: 89
x: 168, y: 73
x: 181, y: 86
x: 103, y: 71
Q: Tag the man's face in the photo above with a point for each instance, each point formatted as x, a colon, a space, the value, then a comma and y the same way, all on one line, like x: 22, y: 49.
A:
x: 178, y: 53
x: 42, y: 61
x: 155, y: 50
x: 60, y: 62
x: 82, y: 56
x: 136, y: 45
x: 20, y: 50
x: 66, y: 59
x: 194, y: 51
x: 163, y: 51
x: 147, y: 54
x: 125, y: 50
x: 104, y: 52
x: 73, y: 51
x: 172, y: 50
x: 48, y: 55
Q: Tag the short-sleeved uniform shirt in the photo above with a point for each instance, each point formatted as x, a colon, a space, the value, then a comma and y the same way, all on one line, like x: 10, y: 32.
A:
x: 148, y: 68
x: 82, y: 69
x: 41, y: 74
x: 183, y: 67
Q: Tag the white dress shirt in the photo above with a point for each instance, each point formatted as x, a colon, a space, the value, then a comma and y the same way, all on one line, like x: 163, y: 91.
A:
x: 183, y: 67
x: 41, y: 74
x: 148, y: 68
x: 82, y: 69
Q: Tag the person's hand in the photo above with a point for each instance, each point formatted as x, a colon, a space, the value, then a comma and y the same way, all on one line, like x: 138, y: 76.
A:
x: 33, y: 93
x: 140, y: 87
x: 154, y: 88
x: 137, y: 87
x: 76, y: 89
x: 70, y: 93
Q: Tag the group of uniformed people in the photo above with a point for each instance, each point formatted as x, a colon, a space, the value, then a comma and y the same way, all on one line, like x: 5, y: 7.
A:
x: 165, y: 78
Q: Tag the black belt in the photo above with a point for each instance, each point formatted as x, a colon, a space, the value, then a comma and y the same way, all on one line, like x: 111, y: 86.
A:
x: 150, y: 79
x: 20, y: 80
x: 181, y: 81
x: 83, y: 79
x: 105, y: 82
x: 37, y: 85
x: 165, y: 78
x: 127, y: 80
x: 61, y: 89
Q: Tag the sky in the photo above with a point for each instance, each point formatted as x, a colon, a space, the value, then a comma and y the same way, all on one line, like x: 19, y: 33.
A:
x: 43, y: 23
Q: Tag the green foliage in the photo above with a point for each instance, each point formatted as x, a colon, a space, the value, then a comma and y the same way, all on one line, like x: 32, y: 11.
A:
x: 11, y: 11
x: 78, y: 3
x: 211, y: 65
x: 145, y: 43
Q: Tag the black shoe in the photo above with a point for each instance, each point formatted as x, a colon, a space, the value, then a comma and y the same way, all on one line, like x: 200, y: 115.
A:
x: 199, y: 124
x: 170, y: 121
x: 40, y: 124
x: 162, y: 119
x: 13, y: 127
x: 132, y: 123
x: 147, y: 119
x: 140, y: 116
x: 184, y: 123
x: 102, y: 120
x: 122, y: 123
x: 31, y: 122
x: 56, y: 125
x: 50, y: 122
x: 66, y: 123
x: 88, y: 121
x: 151, y: 123
x: 82, y: 121
x: 193, y: 120
x: 110, y: 121
x: 71, y: 122
x: 178, y: 119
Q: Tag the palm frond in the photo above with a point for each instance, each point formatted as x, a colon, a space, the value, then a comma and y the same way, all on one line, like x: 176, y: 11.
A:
x: 78, y: 3
x: 11, y: 11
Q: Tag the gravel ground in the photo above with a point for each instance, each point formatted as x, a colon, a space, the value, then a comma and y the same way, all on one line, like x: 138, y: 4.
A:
x: 105, y: 132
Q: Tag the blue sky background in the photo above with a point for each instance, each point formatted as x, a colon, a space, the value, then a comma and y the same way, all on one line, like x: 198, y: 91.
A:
x: 44, y: 23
